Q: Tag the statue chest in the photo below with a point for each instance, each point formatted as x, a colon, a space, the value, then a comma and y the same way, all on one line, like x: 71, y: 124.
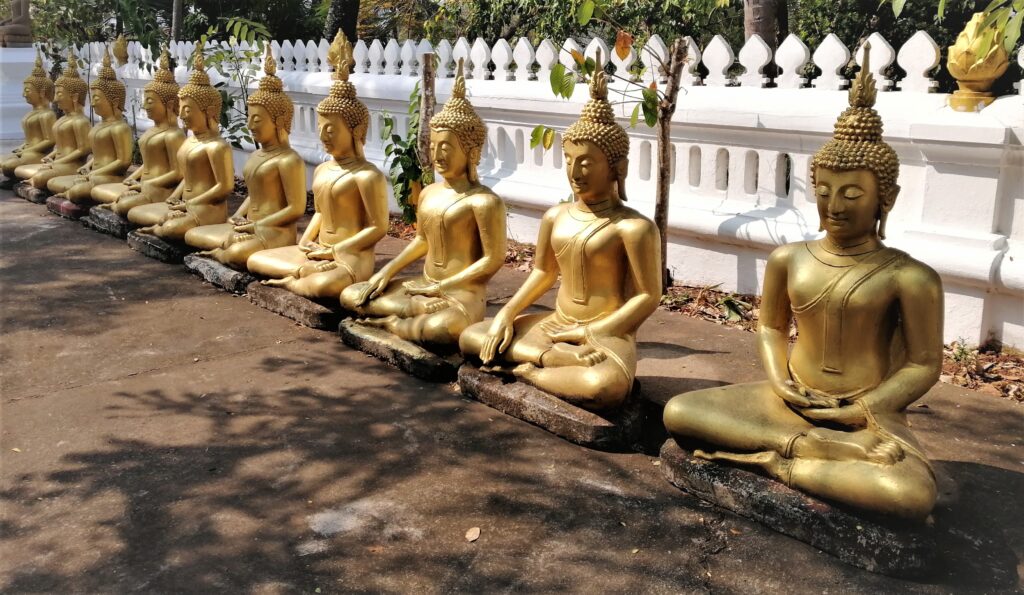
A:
x: 336, y: 197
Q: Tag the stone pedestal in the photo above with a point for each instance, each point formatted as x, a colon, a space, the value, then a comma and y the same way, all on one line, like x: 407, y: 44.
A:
x: 31, y: 193
x: 7, y: 183
x: 613, y: 431
x: 404, y: 355
x: 109, y: 222
x: 879, y: 545
x: 65, y: 208
x: 304, y: 311
x: 218, y: 274
x: 158, y: 248
x: 15, y: 66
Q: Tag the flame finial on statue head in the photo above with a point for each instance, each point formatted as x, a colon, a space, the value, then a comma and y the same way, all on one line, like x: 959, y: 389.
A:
x: 163, y: 83
x: 459, y: 116
x: 38, y: 78
x: 107, y: 83
x: 597, y: 121
x: 339, y: 56
x: 198, y: 87
x: 271, y: 95
x: 71, y: 80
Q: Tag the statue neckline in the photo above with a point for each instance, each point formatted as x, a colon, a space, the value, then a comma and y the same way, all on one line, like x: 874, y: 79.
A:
x: 839, y: 261
x: 591, y: 214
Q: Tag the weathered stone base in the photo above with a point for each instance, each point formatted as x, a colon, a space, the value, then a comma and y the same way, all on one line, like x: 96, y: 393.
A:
x: 218, y: 274
x: 304, y: 311
x: 614, y: 431
x: 30, y: 193
x: 404, y: 355
x: 7, y: 183
x: 109, y: 222
x: 158, y: 248
x: 65, y: 208
x: 887, y: 547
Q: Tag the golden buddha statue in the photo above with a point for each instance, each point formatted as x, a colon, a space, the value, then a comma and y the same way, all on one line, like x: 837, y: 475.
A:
x: 37, y: 123
x: 609, y: 259
x: 350, y: 197
x: 111, y: 140
x: 159, y: 174
x: 70, y: 132
x: 205, y: 161
x: 275, y: 176
x: 461, y: 232
x: 830, y: 418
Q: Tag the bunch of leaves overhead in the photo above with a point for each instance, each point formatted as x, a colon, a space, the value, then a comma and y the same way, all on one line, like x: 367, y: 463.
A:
x: 239, y: 65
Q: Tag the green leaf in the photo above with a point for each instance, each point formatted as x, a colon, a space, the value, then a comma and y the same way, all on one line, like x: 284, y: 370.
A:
x: 635, y: 116
x: 650, y: 98
x: 536, y: 135
x: 650, y: 115
x: 585, y: 12
x: 549, y: 137
x: 557, y: 74
x: 589, y: 66
x: 568, y: 84
x: 942, y: 8
x: 993, y: 5
x: 1013, y: 31
x: 897, y: 7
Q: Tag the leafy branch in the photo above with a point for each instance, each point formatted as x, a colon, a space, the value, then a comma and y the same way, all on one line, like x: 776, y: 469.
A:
x: 237, y: 64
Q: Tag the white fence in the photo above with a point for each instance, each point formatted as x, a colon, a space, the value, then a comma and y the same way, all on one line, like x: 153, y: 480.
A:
x: 740, y: 152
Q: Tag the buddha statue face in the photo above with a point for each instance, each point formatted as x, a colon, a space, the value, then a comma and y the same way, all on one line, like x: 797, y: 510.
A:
x: 32, y: 95
x: 154, y: 106
x: 849, y: 202
x: 66, y: 100
x: 101, y: 104
x: 193, y: 116
x: 261, y: 125
x: 591, y: 177
x: 450, y: 159
x: 335, y: 135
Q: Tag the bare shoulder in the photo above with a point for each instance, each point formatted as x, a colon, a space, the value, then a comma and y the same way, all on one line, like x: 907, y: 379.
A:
x: 916, y: 277
x: 784, y: 255
x: 369, y: 174
x: 633, y: 223
x: 291, y: 159
x: 553, y: 213
x: 486, y: 198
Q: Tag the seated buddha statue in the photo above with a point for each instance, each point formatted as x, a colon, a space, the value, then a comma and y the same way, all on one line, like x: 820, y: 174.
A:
x: 830, y: 418
x: 275, y: 176
x: 349, y: 195
x: 111, y: 140
x: 460, y: 233
x: 159, y: 174
x: 70, y: 132
x: 609, y: 259
x: 205, y: 161
x: 37, y: 124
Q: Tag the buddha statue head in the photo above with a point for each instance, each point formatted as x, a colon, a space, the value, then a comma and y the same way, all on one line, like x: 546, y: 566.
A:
x: 344, y: 119
x: 596, y: 147
x: 70, y: 88
x: 160, y: 96
x: 200, y: 102
x: 107, y: 92
x: 270, y: 108
x: 854, y: 174
x: 38, y: 90
x: 457, y: 134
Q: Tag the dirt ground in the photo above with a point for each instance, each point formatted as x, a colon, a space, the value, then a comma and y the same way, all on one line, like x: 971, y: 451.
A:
x: 159, y: 435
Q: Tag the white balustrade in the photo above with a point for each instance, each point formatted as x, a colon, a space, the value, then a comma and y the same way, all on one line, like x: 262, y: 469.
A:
x: 739, y: 171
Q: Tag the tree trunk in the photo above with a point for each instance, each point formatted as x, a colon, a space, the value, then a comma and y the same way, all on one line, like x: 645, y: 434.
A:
x: 666, y: 109
x: 177, y: 14
x: 344, y: 15
x: 763, y: 17
x: 427, y: 102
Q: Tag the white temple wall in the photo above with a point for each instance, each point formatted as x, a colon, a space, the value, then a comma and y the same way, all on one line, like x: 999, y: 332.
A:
x: 740, y: 179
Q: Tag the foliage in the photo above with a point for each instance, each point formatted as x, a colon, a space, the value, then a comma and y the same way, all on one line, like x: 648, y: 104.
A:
x: 558, y: 19
x: 284, y: 19
x: 407, y: 175
x: 1003, y: 21
x: 401, y: 19
x: 239, y: 65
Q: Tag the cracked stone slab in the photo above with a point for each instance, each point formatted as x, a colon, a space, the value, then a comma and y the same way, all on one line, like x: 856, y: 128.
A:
x: 108, y: 222
x: 617, y: 430
x: 404, y: 355
x: 157, y: 248
x: 26, y: 190
x: 885, y: 546
x: 65, y: 208
x: 302, y: 310
x: 218, y: 274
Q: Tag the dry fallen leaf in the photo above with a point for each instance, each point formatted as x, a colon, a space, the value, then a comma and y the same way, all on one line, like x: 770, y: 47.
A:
x: 16, y: 449
x: 473, y: 534
x: 636, y: 550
